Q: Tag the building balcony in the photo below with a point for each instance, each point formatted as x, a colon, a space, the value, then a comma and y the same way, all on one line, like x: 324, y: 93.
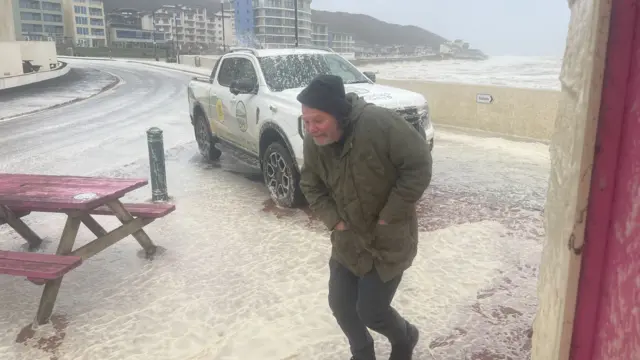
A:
x: 285, y: 35
x: 300, y: 11
x: 283, y: 17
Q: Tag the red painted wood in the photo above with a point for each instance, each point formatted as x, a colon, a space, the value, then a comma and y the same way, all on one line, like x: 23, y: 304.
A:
x: 607, y: 317
x: 36, y: 265
x: 19, y: 214
x: 144, y: 210
x: 59, y: 193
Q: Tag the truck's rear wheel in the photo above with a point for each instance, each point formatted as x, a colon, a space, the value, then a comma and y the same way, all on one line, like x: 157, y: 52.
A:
x: 205, y: 139
x: 281, y: 176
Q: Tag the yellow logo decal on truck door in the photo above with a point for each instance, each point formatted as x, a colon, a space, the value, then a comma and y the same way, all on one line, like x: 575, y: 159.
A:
x: 220, y: 110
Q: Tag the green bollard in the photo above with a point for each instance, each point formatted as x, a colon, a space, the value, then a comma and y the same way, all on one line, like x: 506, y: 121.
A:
x: 157, y: 165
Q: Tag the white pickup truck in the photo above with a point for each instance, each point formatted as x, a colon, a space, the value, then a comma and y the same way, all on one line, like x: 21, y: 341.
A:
x: 248, y: 105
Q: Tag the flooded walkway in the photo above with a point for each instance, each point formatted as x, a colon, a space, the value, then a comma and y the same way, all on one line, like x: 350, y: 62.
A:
x: 242, y: 280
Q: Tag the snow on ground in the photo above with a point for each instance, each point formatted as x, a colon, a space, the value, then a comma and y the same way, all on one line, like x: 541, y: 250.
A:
x: 243, y: 280
x: 80, y: 83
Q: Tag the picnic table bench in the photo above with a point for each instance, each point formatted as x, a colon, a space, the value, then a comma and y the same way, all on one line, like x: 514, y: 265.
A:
x: 80, y: 198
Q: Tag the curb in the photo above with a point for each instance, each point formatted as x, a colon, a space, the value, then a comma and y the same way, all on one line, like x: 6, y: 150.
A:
x: 486, y: 133
x: 85, y: 58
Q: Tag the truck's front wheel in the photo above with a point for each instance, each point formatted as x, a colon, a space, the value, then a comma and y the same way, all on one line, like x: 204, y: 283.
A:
x: 205, y: 139
x: 281, y: 176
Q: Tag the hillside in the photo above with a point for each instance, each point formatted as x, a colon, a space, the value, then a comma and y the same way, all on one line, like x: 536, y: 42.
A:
x: 375, y: 32
x: 364, y: 28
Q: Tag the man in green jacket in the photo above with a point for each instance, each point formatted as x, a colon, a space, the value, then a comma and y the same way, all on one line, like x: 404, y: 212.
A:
x: 365, y: 167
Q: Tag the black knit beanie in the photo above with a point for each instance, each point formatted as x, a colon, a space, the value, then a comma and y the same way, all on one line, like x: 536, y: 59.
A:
x: 326, y: 93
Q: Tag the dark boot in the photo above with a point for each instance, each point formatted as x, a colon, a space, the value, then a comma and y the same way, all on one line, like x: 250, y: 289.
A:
x: 404, y: 351
x: 367, y: 353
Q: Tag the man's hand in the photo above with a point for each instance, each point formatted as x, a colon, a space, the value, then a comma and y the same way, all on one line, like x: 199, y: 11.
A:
x: 341, y: 226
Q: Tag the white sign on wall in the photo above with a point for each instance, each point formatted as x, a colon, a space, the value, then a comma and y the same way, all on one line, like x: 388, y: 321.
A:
x: 484, y: 98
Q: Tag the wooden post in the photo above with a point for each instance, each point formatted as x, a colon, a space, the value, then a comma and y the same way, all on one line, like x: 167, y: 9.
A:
x: 572, y: 157
x: 20, y: 227
x: 51, y: 288
x: 607, y: 315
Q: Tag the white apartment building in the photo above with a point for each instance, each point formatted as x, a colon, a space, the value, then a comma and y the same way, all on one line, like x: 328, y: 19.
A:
x: 164, y: 20
x: 275, y: 23
x: 341, y: 43
x: 190, y: 26
x: 228, y: 35
x: 320, y: 34
x: 85, y: 23
x: 37, y: 20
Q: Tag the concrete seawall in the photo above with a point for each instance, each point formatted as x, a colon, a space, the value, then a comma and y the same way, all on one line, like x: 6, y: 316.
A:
x: 528, y: 113
x: 203, y: 61
x: 31, y: 78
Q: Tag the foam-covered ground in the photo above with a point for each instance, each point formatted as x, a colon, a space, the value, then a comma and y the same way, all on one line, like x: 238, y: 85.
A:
x: 243, y: 280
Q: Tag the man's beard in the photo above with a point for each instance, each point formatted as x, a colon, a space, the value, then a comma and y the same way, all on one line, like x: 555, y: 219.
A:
x: 325, y: 141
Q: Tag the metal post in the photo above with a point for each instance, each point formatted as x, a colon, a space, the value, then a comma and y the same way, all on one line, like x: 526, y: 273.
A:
x: 175, y: 28
x: 295, y: 10
x: 157, y: 165
x: 155, y: 45
x: 224, y: 40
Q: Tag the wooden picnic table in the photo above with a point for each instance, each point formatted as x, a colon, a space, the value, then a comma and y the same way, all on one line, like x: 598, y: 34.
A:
x: 80, y: 198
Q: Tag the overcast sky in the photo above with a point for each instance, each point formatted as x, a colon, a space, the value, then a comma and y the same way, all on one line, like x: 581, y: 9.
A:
x: 498, y: 27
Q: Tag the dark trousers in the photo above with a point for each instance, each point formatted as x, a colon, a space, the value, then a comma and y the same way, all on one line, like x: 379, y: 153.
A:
x: 359, y: 303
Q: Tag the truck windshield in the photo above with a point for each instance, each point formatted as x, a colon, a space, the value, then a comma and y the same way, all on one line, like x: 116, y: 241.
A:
x: 295, y: 71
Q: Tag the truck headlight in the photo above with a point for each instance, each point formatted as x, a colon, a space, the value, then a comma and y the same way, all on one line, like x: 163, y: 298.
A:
x: 424, y: 112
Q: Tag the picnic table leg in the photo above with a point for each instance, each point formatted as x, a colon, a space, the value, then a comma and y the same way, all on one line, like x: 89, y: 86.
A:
x: 50, y: 292
x: 125, y: 217
x: 93, y: 225
x: 20, y: 227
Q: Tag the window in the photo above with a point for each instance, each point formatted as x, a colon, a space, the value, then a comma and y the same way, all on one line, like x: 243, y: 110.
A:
x: 29, y: 28
x: 97, y: 32
x: 52, y: 18
x: 95, y: 11
x: 30, y: 16
x: 82, y: 30
x: 81, y: 20
x: 80, y: 9
x: 28, y: 4
x: 134, y: 34
x: 235, y: 69
x: 97, y: 22
x: 51, y: 29
x: 51, y: 6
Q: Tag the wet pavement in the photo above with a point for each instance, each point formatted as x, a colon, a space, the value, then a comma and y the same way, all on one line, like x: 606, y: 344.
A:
x: 242, y: 279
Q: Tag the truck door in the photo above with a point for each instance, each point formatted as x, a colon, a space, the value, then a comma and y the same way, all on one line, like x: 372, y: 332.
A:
x: 245, y: 113
x: 225, y: 101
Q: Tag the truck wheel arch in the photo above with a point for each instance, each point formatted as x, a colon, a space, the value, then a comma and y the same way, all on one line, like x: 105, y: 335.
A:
x: 197, y: 108
x: 270, y: 133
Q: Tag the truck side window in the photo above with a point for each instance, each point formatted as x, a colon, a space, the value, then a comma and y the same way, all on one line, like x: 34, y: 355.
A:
x: 227, y: 71
x: 245, y: 70
x: 235, y: 69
